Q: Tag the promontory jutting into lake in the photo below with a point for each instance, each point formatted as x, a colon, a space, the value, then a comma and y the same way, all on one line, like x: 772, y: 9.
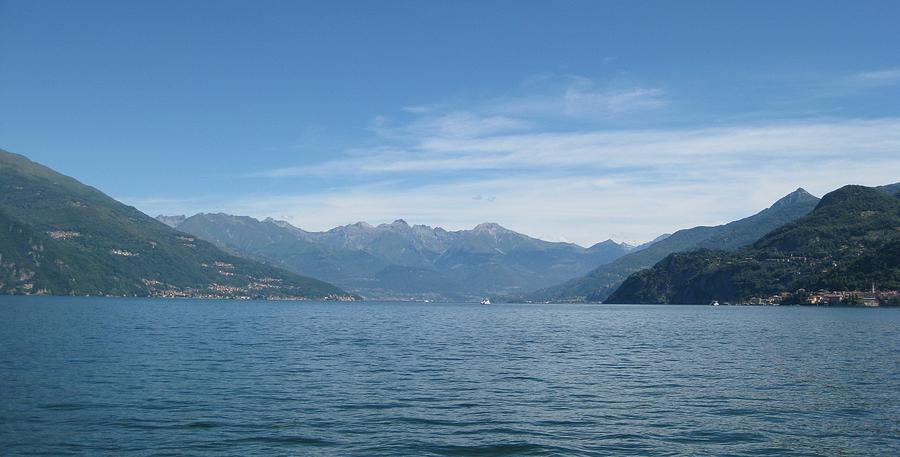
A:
x: 494, y: 228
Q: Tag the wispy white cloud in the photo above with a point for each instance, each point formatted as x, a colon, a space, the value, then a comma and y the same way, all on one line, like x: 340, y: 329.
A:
x: 586, y: 186
x: 707, y: 148
x: 879, y: 77
x: 420, y: 109
x: 581, y: 207
x: 577, y: 97
x: 507, y: 160
x: 455, y: 124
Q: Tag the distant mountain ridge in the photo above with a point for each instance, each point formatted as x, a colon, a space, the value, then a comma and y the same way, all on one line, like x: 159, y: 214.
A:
x: 399, y: 260
x: 598, y: 284
x: 61, y: 237
x: 849, y: 241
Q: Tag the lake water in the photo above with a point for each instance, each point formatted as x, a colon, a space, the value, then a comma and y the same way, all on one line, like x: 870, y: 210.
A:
x: 180, y: 377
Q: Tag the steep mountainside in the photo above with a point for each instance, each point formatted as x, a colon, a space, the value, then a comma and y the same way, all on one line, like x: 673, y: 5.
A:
x: 848, y: 242
x: 602, y: 281
x: 58, y: 236
x: 282, y: 245
x: 398, y: 260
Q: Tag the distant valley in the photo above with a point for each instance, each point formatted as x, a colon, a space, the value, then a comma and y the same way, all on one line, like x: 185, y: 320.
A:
x: 402, y: 261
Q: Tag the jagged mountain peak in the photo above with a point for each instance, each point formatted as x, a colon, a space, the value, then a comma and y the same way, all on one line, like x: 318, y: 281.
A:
x: 428, y: 228
x: 280, y: 223
x: 491, y: 227
x: 609, y: 245
x: 225, y: 216
x: 651, y: 242
x: 398, y: 224
x: 799, y: 195
x: 361, y: 225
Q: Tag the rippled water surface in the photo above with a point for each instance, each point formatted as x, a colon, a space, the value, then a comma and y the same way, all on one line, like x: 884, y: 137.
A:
x: 154, y: 377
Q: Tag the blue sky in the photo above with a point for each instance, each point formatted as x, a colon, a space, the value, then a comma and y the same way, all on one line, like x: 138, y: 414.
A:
x: 573, y: 121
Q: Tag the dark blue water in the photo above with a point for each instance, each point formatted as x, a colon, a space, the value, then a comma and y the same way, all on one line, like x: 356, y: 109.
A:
x: 155, y: 377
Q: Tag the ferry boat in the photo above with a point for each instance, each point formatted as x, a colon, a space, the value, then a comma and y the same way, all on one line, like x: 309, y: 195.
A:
x: 485, y: 301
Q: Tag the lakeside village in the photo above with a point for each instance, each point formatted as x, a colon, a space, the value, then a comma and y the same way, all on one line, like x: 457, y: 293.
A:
x: 871, y: 298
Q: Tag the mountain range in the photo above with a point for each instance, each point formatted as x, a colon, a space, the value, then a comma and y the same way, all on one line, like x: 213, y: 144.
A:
x: 402, y: 261
x: 598, y: 284
x: 850, y: 241
x: 61, y: 237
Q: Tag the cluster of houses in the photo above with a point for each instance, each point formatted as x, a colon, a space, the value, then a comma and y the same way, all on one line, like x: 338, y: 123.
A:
x: 871, y: 298
x: 854, y: 298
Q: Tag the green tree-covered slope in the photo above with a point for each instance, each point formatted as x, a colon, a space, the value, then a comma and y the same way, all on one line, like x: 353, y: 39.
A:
x: 849, y: 241
x: 61, y: 237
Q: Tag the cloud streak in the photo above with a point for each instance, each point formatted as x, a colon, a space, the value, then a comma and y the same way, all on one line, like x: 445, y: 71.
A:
x: 691, y: 149
x: 579, y: 98
x: 879, y: 77
x: 456, y: 124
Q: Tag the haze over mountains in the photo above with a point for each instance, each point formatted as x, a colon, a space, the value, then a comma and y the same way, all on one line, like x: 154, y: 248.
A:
x: 61, y: 237
x: 405, y: 261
